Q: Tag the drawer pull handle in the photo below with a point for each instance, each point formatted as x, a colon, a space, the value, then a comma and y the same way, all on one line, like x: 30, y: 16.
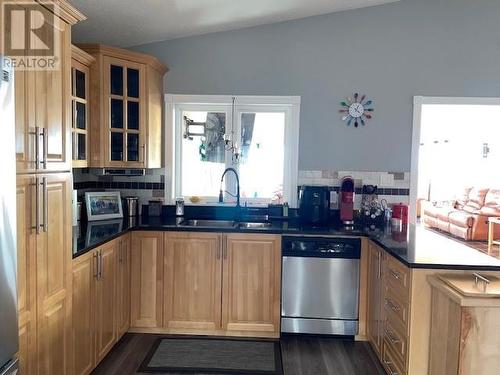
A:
x: 389, y: 366
x: 395, y: 274
x: 392, y: 338
x: 481, y: 279
x: 393, y: 306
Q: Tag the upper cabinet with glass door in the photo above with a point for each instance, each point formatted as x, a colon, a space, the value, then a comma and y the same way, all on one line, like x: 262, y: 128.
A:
x: 80, y: 76
x: 126, y: 99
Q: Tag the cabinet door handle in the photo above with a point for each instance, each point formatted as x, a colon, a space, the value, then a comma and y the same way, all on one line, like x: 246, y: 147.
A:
x: 99, y: 268
x: 74, y: 145
x: 390, y: 335
x: 120, y: 253
x: 219, y: 248
x: 45, y: 144
x: 45, y: 224
x: 224, y: 246
x: 36, y: 133
x: 395, y: 274
x: 393, y: 306
x: 379, y: 256
x: 96, y: 265
x: 36, y: 227
x: 144, y: 154
x: 391, y: 369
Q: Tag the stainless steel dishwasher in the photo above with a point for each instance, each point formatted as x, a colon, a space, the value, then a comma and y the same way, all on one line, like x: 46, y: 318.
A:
x: 320, y: 285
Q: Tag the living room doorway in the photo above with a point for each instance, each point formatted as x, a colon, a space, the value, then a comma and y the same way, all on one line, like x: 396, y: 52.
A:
x: 455, y: 147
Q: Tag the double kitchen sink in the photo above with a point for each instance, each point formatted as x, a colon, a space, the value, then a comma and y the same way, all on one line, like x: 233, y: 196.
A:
x: 224, y: 224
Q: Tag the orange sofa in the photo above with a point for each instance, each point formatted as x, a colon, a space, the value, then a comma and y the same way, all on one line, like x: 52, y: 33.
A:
x: 467, y: 217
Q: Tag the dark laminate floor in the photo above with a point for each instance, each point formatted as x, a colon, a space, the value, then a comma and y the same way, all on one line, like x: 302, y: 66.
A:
x: 301, y: 356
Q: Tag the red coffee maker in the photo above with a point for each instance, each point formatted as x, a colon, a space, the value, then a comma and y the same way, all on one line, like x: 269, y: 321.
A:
x: 400, y: 211
x: 346, y: 201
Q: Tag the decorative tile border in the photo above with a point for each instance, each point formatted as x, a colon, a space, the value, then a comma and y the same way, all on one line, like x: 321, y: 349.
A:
x: 118, y: 185
x: 388, y: 183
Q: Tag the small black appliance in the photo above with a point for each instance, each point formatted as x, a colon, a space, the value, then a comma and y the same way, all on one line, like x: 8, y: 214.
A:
x: 314, y: 204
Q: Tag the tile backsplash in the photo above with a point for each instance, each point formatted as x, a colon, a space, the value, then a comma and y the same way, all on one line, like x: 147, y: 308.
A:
x: 149, y: 186
x: 394, y: 187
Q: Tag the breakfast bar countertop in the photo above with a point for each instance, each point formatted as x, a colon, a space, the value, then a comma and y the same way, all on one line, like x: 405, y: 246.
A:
x: 416, y: 247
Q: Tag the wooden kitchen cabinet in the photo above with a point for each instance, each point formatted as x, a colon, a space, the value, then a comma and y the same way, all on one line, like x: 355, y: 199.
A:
x: 193, y: 281
x: 206, y: 283
x: 43, y: 111
x: 80, y: 134
x: 375, y: 289
x: 123, y: 286
x: 251, y: 283
x: 146, y: 280
x: 53, y: 274
x: 105, y: 326
x: 126, y: 96
x: 26, y: 279
x: 465, y: 326
x: 388, y: 309
x: 44, y: 272
x: 83, y: 334
x: 101, y: 302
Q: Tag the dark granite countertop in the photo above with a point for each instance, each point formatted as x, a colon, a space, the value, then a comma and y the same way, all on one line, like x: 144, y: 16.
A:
x: 415, y: 247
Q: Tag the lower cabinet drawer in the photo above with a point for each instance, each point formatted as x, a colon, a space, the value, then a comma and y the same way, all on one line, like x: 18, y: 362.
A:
x: 398, y: 277
x: 396, y: 340
x: 391, y: 362
x: 396, y: 310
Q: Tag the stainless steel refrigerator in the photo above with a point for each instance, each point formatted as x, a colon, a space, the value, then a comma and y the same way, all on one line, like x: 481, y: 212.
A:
x: 9, y: 342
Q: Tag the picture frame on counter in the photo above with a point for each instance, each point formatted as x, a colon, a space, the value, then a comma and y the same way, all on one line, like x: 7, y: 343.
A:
x: 103, y: 205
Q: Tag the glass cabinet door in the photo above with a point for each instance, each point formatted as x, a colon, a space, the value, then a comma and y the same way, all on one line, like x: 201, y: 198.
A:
x: 79, y: 106
x: 126, y: 112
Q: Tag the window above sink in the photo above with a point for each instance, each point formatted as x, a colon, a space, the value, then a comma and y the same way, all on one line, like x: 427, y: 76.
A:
x: 257, y: 136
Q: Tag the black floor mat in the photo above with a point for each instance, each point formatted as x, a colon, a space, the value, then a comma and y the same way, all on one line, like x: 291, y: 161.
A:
x: 207, y: 355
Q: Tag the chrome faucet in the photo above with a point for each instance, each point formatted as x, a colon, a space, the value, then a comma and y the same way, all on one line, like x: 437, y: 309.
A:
x: 221, y: 192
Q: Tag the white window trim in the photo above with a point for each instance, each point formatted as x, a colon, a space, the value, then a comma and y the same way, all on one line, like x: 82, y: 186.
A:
x: 288, y: 104
x: 418, y: 102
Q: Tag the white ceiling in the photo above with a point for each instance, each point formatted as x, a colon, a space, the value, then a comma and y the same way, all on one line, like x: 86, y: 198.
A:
x: 132, y: 22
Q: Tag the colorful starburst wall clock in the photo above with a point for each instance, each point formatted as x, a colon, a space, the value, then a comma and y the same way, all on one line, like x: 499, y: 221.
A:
x: 356, y: 110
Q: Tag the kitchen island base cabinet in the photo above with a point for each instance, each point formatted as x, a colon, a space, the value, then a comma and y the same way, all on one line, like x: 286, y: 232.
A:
x: 251, y: 283
x: 193, y: 290
x: 146, y: 280
x: 465, y: 330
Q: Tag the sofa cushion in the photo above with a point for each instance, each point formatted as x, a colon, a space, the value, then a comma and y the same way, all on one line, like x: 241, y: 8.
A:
x: 431, y: 210
x: 471, y: 210
x: 463, y: 198
x: 444, y: 212
x: 491, y: 205
x: 464, y: 233
x: 476, y: 199
x: 438, y: 212
x: 461, y: 219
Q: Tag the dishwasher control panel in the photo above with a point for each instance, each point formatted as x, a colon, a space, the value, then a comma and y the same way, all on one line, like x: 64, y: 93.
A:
x: 321, y: 247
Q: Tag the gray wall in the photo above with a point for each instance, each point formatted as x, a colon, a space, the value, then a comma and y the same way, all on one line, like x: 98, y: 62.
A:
x: 390, y: 52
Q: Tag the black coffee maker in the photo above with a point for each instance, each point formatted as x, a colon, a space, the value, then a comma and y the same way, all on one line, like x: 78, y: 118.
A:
x: 314, y: 204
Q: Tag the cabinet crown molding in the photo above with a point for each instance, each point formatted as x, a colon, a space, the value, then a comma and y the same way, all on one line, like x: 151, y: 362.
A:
x: 66, y: 11
x: 81, y: 56
x: 120, y: 53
